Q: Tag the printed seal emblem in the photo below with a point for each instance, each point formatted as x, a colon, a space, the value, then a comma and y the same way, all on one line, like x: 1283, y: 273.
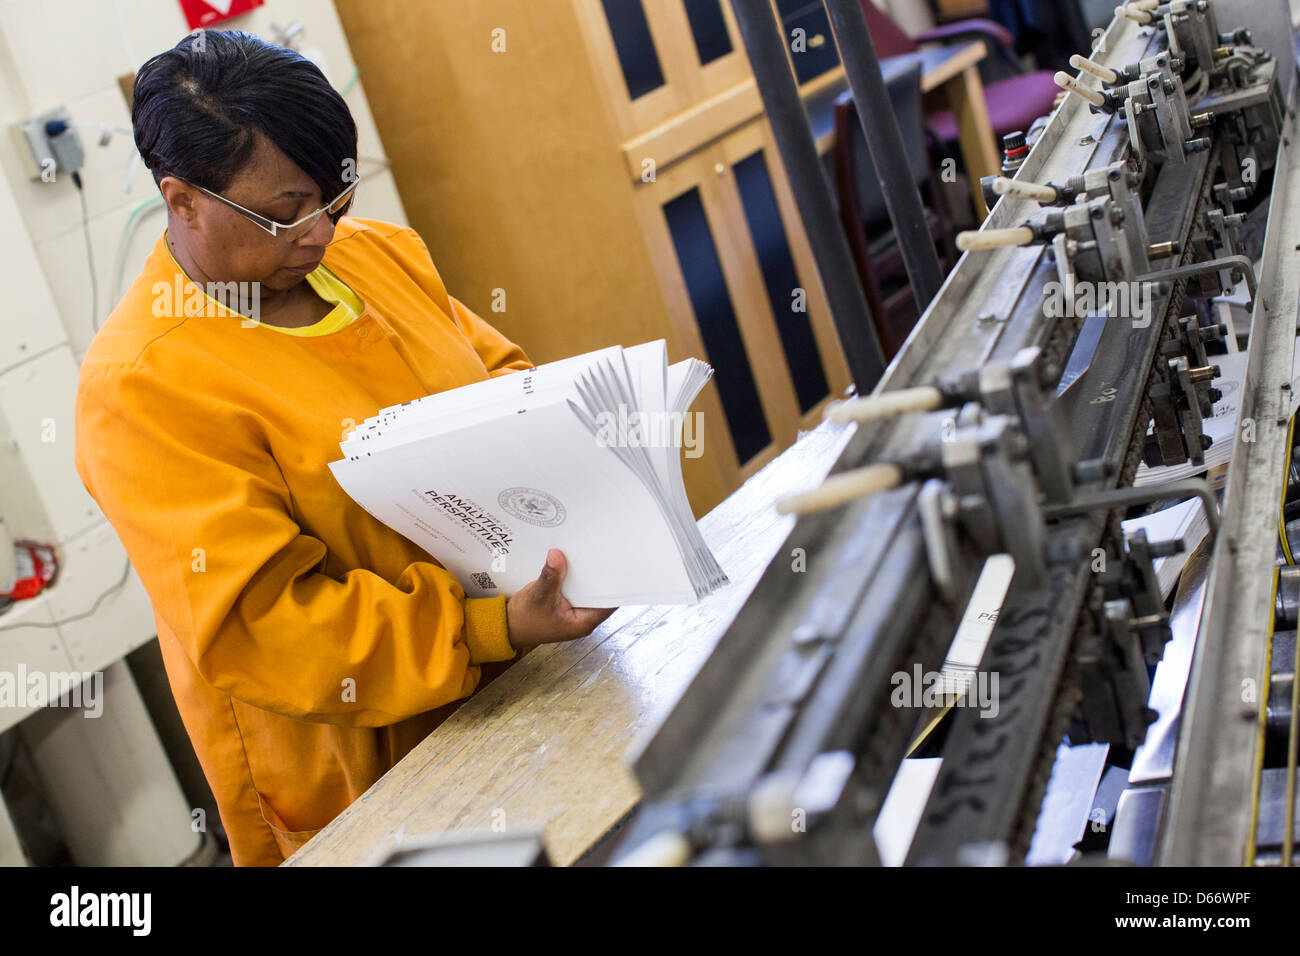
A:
x: 536, y: 507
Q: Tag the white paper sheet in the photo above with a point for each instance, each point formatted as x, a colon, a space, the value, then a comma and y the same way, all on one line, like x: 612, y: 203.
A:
x: 488, y: 477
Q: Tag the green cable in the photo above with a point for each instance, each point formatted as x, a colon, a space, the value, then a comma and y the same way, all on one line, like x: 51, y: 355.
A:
x: 140, y: 208
x: 352, y: 81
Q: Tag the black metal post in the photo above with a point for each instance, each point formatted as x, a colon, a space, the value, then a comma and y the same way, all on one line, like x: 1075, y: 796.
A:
x: 885, y: 142
x: 765, y: 44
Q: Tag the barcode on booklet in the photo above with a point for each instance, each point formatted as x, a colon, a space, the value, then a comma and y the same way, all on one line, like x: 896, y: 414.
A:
x: 483, y: 580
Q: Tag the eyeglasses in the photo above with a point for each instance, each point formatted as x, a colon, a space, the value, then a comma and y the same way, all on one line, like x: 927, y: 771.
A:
x: 292, y: 231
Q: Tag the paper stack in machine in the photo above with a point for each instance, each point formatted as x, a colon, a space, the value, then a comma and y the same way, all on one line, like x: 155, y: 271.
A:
x: 582, y: 454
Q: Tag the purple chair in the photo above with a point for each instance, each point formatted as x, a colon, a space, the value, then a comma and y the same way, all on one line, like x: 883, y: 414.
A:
x: 1013, y: 103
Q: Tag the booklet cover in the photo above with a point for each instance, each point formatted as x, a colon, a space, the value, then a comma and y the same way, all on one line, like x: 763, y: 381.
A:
x: 583, y: 455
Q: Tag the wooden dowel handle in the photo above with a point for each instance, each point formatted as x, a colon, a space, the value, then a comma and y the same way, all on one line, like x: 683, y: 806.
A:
x: 842, y: 488
x: 995, y: 238
x: 662, y: 849
x: 1018, y: 187
x: 1103, y: 73
x: 1135, y: 12
x: 1068, y: 83
x: 872, y: 408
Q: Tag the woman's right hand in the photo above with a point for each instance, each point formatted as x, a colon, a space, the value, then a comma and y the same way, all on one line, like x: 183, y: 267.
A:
x: 540, y: 614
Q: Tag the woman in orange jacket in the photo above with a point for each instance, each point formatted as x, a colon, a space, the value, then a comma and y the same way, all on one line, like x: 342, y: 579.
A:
x: 306, y: 643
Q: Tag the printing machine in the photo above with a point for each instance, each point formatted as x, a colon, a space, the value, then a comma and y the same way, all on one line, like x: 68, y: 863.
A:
x: 1165, y: 180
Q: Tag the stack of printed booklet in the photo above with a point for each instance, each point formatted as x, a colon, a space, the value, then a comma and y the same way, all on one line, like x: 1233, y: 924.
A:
x: 582, y: 455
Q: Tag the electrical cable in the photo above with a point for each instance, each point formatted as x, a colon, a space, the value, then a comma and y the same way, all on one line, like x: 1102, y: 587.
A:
x: 128, y: 229
x: 125, y: 37
x: 1197, y: 87
x: 90, y: 254
x: 126, y: 572
x: 352, y: 81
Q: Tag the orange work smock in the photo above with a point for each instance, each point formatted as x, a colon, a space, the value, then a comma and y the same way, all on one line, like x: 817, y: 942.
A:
x: 305, y: 641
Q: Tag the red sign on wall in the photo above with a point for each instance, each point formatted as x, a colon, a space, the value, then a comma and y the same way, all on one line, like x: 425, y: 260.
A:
x: 205, y: 13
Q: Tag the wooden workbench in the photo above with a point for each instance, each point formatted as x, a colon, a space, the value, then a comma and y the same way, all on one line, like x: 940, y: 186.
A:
x: 544, y: 744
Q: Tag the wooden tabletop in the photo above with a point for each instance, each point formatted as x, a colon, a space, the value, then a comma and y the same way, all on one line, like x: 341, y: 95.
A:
x: 544, y: 744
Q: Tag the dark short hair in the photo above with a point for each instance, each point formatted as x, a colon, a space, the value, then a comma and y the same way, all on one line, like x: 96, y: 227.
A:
x: 196, y: 110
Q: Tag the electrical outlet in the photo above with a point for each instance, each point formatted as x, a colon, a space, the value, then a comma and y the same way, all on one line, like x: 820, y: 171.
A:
x: 35, y: 147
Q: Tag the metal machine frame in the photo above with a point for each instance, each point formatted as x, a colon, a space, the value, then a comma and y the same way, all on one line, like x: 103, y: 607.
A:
x: 984, y: 438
